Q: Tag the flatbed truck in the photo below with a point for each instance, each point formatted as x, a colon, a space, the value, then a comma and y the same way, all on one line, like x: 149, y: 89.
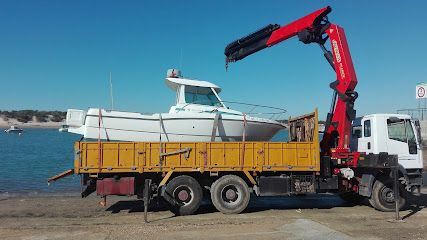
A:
x: 183, y: 173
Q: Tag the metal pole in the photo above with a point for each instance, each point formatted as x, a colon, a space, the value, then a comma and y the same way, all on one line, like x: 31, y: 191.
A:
x: 424, y: 105
x: 419, y: 107
x: 146, y: 198
x: 396, y: 194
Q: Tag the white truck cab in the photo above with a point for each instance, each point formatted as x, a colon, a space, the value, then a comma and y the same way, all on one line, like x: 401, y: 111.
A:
x: 396, y: 134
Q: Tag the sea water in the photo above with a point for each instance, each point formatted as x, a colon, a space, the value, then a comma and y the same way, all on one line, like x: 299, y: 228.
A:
x: 28, y: 160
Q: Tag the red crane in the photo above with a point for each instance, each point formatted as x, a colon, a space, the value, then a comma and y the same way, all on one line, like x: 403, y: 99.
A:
x: 315, y: 28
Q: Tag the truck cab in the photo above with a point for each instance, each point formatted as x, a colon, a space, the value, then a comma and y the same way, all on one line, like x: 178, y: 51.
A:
x: 396, y: 134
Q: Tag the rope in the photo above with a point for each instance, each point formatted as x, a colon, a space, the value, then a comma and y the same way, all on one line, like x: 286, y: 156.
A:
x: 62, y: 162
x: 243, y: 142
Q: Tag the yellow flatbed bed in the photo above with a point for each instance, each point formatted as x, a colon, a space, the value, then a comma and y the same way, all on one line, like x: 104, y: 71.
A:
x: 301, y: 153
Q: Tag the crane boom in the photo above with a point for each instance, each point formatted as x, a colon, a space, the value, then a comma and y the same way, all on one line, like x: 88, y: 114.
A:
x: 314, y: 28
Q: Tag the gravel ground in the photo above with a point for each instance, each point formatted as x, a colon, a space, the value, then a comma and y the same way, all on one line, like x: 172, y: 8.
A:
x: 320, y: 216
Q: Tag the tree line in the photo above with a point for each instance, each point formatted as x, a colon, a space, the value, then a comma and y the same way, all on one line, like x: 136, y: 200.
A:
x: 25, y: 116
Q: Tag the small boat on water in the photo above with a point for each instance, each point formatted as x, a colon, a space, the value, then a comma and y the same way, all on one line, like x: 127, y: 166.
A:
x: 14, y: 129
x: 63, y: 128
x: 198, y: 115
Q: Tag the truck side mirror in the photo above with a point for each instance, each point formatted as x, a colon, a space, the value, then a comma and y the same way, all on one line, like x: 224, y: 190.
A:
x: 418, y: 130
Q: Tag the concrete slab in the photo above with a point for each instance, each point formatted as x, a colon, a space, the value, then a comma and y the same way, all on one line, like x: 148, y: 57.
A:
x: 308, y: 229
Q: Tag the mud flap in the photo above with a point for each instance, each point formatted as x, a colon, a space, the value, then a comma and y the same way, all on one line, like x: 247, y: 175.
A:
x: 365, y: 185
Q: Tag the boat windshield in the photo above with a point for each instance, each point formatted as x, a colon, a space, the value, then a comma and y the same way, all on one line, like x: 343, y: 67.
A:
x: 201, y: 95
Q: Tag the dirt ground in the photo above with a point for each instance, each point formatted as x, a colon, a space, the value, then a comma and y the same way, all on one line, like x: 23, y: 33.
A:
x: 308, y: 217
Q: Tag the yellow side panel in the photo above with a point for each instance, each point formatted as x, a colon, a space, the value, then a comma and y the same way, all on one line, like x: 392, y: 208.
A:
x: 291, y: 156
x: 291, y: 153
x: 178, y: 159
x: 152, y: 152
x: 304, y: 157
x: 232, y: 153
x: 229, y: 155
x: 172, y: 160
x: 216, y: 155
x: 118, y: 154
x: 90, y: 155
x: 274, y: 154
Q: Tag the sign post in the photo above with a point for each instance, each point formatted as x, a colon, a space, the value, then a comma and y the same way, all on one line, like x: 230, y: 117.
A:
x: 421, y: 92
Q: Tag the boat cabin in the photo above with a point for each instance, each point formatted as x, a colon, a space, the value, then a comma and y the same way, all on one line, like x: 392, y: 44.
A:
x: 198, y: 94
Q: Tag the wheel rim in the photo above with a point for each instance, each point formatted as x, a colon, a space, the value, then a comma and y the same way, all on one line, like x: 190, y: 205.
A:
x: 387, y: 195
x: 231, y: 194
x: 183, y: 195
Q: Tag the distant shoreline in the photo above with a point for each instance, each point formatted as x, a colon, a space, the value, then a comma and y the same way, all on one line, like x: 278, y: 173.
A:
x: 29, y: 125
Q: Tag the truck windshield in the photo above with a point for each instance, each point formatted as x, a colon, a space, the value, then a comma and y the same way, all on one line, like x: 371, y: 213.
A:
x: 402, y: 131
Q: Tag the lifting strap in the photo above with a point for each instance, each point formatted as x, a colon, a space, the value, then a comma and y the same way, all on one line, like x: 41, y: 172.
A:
x: 160, y: 142
x: 242, y: 158
x: 215, y: 126
x: 99, y: 141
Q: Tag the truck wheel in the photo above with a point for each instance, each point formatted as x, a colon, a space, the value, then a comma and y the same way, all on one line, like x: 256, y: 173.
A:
x: 230, y: 194
x: 382, y: 197
x: 184, y: 195
x: 352, y: 198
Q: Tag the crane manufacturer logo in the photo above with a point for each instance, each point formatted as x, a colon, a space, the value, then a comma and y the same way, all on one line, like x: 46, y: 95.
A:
x: 336, y: 50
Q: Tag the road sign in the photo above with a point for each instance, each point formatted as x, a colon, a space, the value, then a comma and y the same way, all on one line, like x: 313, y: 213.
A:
x: 420, y: 90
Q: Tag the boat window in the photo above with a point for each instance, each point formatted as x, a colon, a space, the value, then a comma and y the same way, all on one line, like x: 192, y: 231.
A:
x: 201, y: 95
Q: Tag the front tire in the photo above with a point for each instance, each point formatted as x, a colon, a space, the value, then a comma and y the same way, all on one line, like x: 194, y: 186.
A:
x: 183, y: 195
x: 230, y: 194
x: 382, y: 197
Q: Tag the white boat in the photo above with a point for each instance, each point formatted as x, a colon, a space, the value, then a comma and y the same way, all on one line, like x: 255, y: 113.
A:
x: 198, y: 115
x: 14, y: 129
x: 63, y: 128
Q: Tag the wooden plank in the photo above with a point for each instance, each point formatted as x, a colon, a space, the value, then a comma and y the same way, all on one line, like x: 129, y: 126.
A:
x: 61, y: 175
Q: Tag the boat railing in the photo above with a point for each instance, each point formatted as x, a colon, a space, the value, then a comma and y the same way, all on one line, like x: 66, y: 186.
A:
x: 274, y: 115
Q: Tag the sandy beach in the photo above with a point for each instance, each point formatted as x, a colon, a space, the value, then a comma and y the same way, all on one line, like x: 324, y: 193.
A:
x: 32, y: 124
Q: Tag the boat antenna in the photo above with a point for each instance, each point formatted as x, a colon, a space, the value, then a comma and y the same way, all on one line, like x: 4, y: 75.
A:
x: 180, y: 61
x: 111, y: 89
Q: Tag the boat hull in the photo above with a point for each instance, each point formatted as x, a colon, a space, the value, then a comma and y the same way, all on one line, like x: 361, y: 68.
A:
x: 174, y: 127
x: 14, y: 130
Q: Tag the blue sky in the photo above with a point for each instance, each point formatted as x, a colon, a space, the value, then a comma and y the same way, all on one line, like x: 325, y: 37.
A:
x: 56, y: 55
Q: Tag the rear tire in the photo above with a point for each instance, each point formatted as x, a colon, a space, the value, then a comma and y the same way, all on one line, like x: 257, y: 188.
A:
x: 230, y: 194
x: 382, y: 197
x: 184, y: 195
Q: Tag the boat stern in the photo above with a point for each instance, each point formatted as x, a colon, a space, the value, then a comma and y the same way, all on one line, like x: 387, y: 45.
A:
x: 76, y: 120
